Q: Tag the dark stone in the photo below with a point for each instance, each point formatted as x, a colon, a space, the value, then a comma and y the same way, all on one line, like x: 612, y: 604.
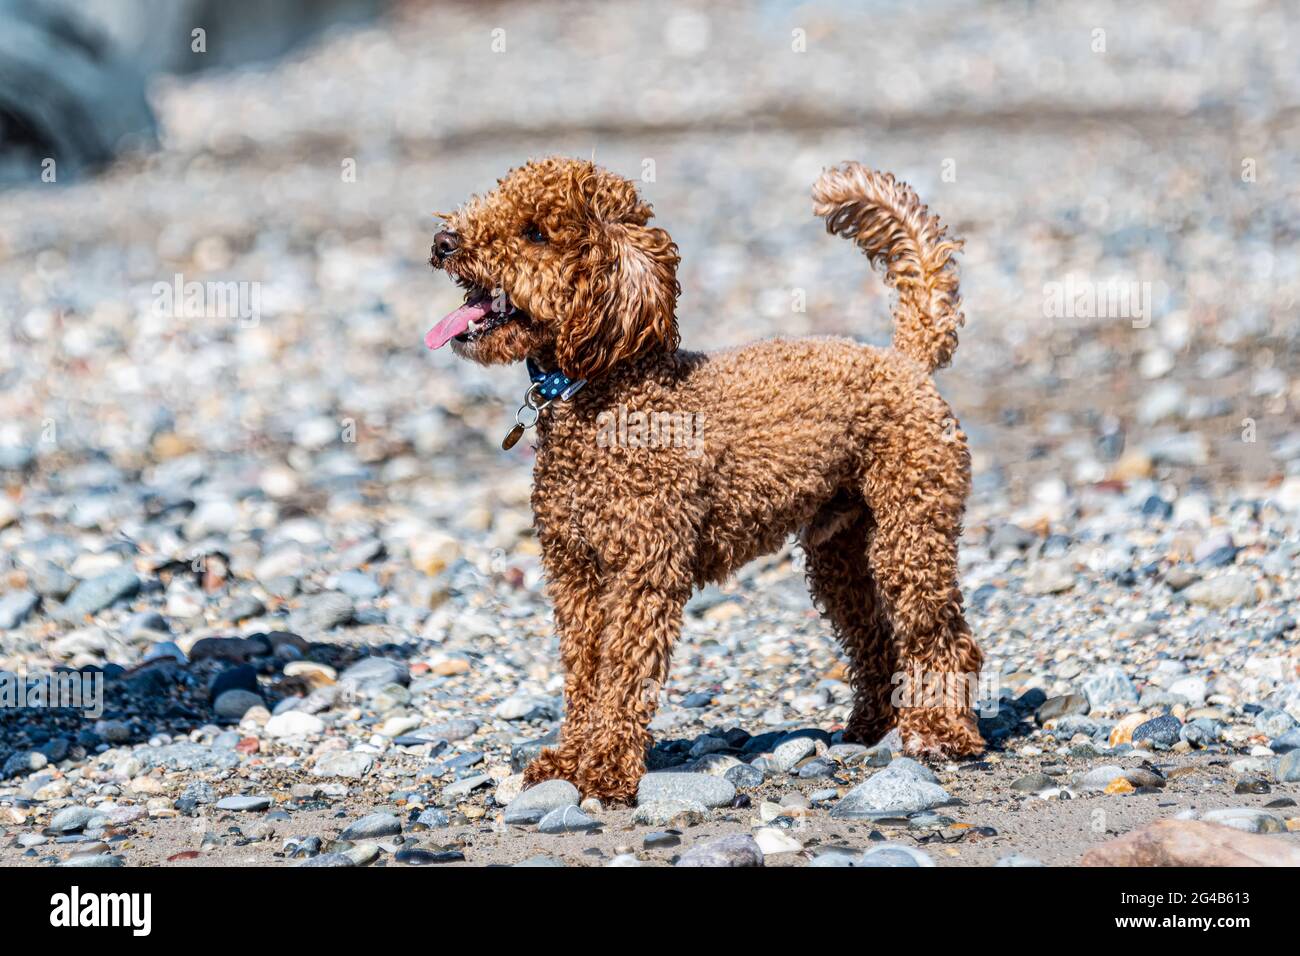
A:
x: 1031, y: 700
x: 1157, y: 507
x: 65, y: 92
x: 415, y: 856
x: 1161, y: 732
x: 243, y: 677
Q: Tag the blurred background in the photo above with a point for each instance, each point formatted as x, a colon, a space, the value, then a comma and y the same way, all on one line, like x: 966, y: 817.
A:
x: 293, y: 154
x: 301, y: 148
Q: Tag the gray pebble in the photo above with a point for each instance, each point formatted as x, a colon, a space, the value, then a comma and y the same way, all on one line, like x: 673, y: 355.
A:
x: 375, y: 826
x: 71, y: 818
x: 244, y: 804
x: 535, y: 802
x: 93, y: 595
x: 1246, y: 818
x: 897, y: 789
x: 566, y: 820
x: 15, y: 607
x: 348, y: 764
x: 233, y: 704
x: 739, y: 849
x: 702, y: 788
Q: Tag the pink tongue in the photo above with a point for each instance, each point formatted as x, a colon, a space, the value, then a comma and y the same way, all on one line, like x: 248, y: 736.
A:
x: 457, y: 322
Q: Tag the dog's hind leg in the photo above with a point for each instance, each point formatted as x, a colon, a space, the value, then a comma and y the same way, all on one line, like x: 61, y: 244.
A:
x: 916, y: 488
x: 844, y: 590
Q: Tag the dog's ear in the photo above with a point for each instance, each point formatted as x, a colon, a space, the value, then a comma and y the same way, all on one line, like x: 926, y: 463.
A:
x: 623, y: 277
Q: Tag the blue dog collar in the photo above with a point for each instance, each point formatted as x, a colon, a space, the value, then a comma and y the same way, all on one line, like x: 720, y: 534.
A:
x: 546, y: 387
x: 553, y: 385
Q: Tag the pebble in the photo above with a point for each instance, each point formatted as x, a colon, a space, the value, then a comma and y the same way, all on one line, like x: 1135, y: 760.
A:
x: 744, y: 777
x: 1246, y: 818
x: 464, y: 787
x: 772, y: 841
x: 375, y: 672
x: 71, y: 819
x: 375, y: 826
x: 788, y: 754
x: 322, y: 612
x: 891, y: 854
x: 348, y: 764
x: 736, y: 850
x: 93, y: 860
x: 661, y: 840
x: 1109, y: 689
x: 1273, y: 723
x: 1202, y: 732
x: 433, y: 818
x: 1032, y: 783
x: 536, y: 802
x: 104, y: 590
x: 698, y: 787
x: 233, y: 704
x: 1099, y: 778
x: 1286, y: 742
x: 1160, y: 732
x: 1224, y: 591
x: 294, y: 723
x: 1062, y: 706
x: 1288, y: 767
x: 565, y: 820
x: 418, y: 856
x: 49, y: 580
x: 244, y: 804
x: 1049, y: 577
x: 898, y: 788
x: 662, y: 813
x: 15, y: 607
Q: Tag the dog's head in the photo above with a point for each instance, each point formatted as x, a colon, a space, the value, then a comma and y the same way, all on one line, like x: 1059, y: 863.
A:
x: 558, y: 259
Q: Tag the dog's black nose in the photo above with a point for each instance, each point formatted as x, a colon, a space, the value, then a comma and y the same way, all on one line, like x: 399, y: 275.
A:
x: 444, y: 244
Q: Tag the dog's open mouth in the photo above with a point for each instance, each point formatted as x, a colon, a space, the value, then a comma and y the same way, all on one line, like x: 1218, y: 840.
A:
x: 479, y: 316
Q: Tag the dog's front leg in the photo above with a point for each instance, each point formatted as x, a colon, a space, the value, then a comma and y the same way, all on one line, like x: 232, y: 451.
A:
x: 643, y: 621
x: 575, y: 592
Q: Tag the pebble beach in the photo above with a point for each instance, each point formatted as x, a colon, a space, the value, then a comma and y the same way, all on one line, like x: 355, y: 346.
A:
x: 284, y: 536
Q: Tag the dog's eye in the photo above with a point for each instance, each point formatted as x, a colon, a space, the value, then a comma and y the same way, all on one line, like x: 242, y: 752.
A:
x: 533, y: 233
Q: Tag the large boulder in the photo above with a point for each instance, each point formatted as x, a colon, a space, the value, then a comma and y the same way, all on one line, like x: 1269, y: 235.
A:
x: 65, y: 95
x: 1192, y: 843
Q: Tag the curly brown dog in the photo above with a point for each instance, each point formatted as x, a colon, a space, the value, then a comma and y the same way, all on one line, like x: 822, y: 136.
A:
x: 849, y: 447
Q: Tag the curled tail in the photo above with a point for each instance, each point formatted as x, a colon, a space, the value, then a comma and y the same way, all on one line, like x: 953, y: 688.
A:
x: 891, y: 225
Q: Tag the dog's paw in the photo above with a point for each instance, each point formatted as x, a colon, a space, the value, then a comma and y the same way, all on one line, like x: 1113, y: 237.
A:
x: 941, y: 733
x: 869, y: 731
x: 551, y: 764
x: 610, y: 791
x: 611, y: 777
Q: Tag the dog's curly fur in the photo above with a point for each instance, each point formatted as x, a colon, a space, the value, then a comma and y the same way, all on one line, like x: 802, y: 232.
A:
x: 848, y: 446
